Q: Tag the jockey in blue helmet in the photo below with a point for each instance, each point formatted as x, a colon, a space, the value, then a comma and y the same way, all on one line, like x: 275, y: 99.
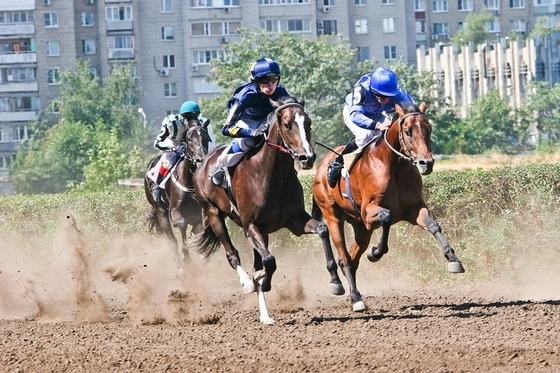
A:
x: 373, y: 94
x: 249, y: 107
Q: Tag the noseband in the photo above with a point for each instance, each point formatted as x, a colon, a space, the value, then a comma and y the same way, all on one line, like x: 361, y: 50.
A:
x: 283, y: 148
x: 408, y: 155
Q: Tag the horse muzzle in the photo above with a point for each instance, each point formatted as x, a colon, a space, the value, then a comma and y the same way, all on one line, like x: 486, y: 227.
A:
x: 424, y: 166
x: 307, y: 161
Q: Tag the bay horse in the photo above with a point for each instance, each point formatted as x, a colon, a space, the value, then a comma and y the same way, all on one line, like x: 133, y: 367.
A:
x: 265, y: 196
x: 177, y: 207
x: 383, y: 187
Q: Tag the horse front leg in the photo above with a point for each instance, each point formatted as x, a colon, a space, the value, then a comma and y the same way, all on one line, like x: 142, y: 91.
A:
x: 180, y: 222
x: 424, y: 220
x: 379, y: 215
x: 305, y: 224
x: 165, y: 224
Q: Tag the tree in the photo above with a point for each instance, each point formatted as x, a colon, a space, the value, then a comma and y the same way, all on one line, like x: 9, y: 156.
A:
x: 475, y: 29
x: 55, y: 156
x: 320, y: 71
x: 542, y: 109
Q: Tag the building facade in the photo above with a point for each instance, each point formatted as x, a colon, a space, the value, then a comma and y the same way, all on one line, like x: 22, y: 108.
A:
x: 172, y: 42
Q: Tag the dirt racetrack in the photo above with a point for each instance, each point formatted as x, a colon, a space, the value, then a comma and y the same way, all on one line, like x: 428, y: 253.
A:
x: 70, y: 307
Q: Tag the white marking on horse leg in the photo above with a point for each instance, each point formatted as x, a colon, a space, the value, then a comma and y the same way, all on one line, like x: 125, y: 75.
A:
x: 245, y: 280
x: 265, y: 318
x: 300, y: 120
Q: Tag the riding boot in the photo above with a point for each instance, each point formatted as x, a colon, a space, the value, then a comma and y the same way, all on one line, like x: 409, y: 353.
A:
x: 156, y: 194
x: 217, y: 175
x: 231, y: 156
x: 334, y: 168
x: 156, y: 189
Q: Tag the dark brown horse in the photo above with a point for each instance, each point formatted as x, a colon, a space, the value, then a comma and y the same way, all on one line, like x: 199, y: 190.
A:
x: 385, y: 187
x: 266, y: 195
x: 178, y: 208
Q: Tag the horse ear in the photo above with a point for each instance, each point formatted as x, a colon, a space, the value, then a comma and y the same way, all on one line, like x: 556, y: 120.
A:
x: 301, y: 101
x: 399, y: 110
x: 206, y: 123
x: 275, y: 104
x: 423, y: 107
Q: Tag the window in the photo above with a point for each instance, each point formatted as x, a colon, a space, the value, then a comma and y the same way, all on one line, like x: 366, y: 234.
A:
x: 88, y: 46
x: 166, y: 6
x: 360, y: 2
x: 518, y: 25
x: 361, y: 26
x: 543, y: 2
x: 51, y: 19
x: 170, y: 90
x: 215, y: 28
x: 120, y: 42
x: 420, y: 27
x: 439, y: 6
x: 292, y: 25
x: 226, y: 3
x: 517, y: 4
x: 87, y: 19
x: 419, y: 5
x: 277, y: 2
x: 204, y: 57
x: 53, y: 48
x: 329, y: 27
x: 118, y: 13
x: 200, y: 85
x: 388, y: 25
x: 18, y: 16
x: 494, y: 26
x: 328, y: 3
x: 19, y: 133
x: 167, y: 33
x: 53, y: 76
x: 169, y: 61
x: 388, y: 2
x: 492, y: 4
x: 19, y: 104
x: 4, y: 134
x: 390, y: 52
x: 5, y: 160
x: 363, y: 54
x: 465, y: 5
x: 441, y: 29
x: 21, y: 74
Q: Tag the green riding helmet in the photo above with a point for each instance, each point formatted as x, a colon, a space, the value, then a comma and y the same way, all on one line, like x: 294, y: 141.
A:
x: 189, y: 107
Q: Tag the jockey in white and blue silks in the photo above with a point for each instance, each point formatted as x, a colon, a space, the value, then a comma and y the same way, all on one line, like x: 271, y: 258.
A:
x: 249, y: 107
x: 373, y: 94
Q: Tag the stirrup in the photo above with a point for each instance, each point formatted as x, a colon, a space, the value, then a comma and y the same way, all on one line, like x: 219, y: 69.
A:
x: 218, y: 177
x: 334, y: 170
x: 156, y: 194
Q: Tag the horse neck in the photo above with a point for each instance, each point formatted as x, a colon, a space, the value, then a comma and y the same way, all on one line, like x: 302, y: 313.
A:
x: 272, y: 157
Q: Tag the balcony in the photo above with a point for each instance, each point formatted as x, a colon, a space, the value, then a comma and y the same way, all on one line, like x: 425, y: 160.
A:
x: 18, y: 116
x: 119, y: 25
x: 19, y: 87
x: 18, y: 29
x: 16, y: 58
x: 121, y: 54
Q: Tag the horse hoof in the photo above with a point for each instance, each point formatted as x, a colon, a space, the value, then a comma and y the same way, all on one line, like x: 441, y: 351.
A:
x: 359, y: 306
x: 267, y: 321
x: 371, y: 257
x: 337, y: 289
x: 455, y: 267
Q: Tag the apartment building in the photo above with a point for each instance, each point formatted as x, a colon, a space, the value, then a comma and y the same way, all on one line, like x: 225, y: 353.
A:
x: 172, y: 42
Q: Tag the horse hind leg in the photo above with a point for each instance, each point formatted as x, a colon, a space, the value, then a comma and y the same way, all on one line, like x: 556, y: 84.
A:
x: 166, y: 227
x: 179, y: 221
x: 424, y: 220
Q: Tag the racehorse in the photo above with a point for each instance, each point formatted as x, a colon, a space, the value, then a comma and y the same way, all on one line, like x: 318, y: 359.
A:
x: 265, y: 195
x: 383, y: 187
x: 178, y: 208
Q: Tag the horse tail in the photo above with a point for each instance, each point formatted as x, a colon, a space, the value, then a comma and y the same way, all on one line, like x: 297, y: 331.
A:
x: 206, y: 242
x: 153, y: 222
x: 316, y: 212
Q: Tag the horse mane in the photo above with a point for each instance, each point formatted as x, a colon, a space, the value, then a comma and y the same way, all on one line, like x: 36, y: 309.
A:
x: 410, y: 107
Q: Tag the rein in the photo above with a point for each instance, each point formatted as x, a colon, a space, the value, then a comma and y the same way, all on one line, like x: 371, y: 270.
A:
x: 401, y: 141
x: 283, y: 148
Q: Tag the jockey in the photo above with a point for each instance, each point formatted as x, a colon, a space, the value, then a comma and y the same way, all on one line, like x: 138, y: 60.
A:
x: 171, y: 139
x: 363, y: 113
x: 249, y: 107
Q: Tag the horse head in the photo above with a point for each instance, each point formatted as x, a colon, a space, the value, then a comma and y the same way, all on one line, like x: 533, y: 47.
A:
x: 294, y: 130
x: 197, y: 139
x: 414, y: 132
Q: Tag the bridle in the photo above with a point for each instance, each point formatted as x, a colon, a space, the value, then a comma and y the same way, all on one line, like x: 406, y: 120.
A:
x: 407, y: 153
x: 283, y: 148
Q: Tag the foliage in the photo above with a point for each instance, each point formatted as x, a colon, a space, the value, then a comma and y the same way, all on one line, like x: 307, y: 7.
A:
x: 475, y: 29
x: 320, y: 71
x: 489, y: 125
x: 55, y: 157
x: 543, y: 106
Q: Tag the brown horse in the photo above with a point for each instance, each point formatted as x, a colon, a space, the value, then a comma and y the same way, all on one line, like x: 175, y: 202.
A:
x: 265, y: 195
x: 178, y: 208
x: 384, y: 187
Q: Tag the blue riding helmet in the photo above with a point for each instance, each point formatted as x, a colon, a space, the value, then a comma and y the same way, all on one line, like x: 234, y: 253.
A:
x: 384, y: 82
x: 265, y: 67
x: 189, y: 107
